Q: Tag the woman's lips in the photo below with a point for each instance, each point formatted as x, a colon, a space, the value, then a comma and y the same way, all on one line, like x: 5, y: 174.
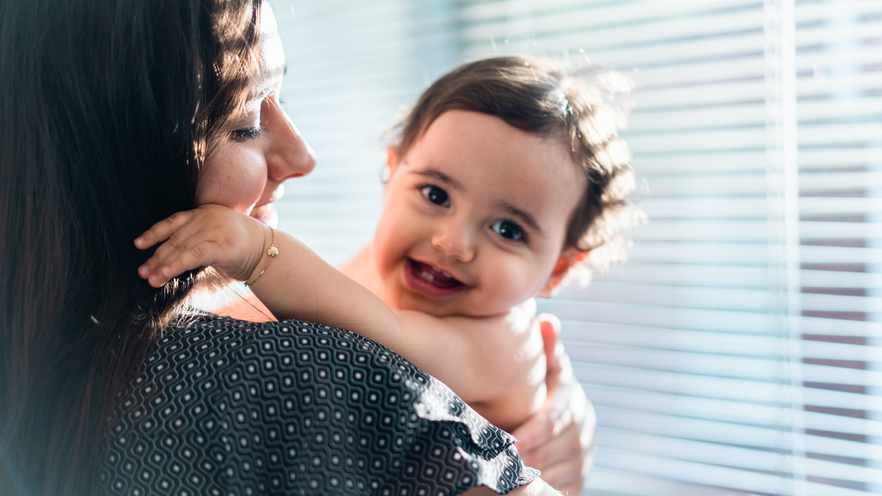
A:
x: 278, y: 193
x: 430, y: 281
x: 267, y: 214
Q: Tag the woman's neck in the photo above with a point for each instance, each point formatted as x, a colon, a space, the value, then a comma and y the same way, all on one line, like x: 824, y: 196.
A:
x: 232, y: 299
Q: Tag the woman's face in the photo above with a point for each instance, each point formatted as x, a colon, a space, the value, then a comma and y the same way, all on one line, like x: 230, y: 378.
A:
x: 261, y: 147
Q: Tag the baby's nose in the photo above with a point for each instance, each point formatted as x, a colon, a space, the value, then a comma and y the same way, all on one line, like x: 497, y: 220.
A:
x: 455, y: 241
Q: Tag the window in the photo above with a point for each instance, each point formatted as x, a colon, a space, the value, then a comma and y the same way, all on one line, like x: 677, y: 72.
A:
x: 738, y: 351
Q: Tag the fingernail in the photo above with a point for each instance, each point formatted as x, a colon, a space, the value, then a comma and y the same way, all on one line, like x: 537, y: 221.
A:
x: 139, y: 240
x: 143, y: 270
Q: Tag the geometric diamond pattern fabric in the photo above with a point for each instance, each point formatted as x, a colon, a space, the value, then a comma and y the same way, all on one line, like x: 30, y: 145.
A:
x: 228, y: 407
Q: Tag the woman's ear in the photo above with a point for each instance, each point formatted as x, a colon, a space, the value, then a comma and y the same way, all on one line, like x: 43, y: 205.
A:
x: 569, y: 257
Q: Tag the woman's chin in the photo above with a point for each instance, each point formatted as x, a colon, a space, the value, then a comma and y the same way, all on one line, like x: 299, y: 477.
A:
x: 266, y: 214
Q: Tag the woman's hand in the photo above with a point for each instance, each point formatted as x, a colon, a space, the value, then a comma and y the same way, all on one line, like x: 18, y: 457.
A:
x: 229, y: 241
x: 559, y: 438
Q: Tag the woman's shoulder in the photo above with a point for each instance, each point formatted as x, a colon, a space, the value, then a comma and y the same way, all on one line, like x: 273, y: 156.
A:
x: 226, y: 405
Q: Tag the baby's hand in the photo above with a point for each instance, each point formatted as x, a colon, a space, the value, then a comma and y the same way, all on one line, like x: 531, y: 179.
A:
x: 213, y: 235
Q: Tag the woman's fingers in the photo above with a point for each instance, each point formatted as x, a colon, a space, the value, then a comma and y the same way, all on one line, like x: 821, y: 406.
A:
x: 559, y: 437
x: 563, y: 463
x: 564, y: 405
x: 537, y: 431
x: 566, y: 458
x: 566, y: 476
x: 563, y: 446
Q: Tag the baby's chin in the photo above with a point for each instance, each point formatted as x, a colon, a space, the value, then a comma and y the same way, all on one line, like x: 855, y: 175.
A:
x: 441, y: 309
x: 266, y: 214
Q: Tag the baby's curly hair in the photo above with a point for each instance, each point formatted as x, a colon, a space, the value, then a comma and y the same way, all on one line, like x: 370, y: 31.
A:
x: 551, y: 98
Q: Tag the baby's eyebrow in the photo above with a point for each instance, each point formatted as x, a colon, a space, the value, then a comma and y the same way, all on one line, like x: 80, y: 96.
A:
x: 525, y: 217
x: 442, y: 177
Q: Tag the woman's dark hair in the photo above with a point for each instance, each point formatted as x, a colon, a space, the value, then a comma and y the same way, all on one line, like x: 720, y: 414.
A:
x: 573, y: 103
x: 107, y: 109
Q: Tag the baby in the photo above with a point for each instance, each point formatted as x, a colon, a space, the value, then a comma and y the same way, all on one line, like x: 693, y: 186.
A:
x: 506, y: 175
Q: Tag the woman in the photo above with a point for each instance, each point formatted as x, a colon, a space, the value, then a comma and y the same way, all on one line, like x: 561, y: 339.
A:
x: 115, y: 114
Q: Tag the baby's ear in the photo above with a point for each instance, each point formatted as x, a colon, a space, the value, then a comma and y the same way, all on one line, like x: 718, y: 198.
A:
x: 571, y: 256
x: 391, y: 159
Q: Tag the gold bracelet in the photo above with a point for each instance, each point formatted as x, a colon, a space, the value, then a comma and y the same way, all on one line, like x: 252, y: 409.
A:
x: 271, y: 252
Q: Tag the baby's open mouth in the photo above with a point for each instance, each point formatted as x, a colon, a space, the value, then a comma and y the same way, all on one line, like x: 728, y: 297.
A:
x: 433, y: 277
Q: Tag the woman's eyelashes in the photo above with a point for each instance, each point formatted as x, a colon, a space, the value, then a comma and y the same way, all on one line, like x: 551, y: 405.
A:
x: 508, y: 230
x: 435, y: 195
x: 249, y: 133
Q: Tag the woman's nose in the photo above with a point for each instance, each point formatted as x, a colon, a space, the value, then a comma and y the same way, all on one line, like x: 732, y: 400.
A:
x: 289, y: 155
x: 455, y: 240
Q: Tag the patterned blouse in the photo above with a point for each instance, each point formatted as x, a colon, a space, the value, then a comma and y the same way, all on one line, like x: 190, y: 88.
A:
x: 228, y: 407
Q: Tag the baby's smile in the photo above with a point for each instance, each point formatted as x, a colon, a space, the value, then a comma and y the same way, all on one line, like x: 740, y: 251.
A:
x: 430, y: 280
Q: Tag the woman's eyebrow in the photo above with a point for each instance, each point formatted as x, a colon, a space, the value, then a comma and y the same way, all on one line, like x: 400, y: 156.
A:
x: 441, y: 177
x: 267, y: 86
x: 261, y: 93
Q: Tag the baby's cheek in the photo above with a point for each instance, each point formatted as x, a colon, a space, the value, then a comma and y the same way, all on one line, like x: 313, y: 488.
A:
x: 508, y: 284
x: 380, y: 247
x: 391, y: 239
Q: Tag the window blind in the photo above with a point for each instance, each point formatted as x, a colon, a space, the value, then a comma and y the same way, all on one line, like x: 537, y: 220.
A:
x: 738, y: 350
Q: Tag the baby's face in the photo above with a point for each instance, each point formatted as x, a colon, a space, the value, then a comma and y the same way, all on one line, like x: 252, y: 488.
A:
x: 475, y: 217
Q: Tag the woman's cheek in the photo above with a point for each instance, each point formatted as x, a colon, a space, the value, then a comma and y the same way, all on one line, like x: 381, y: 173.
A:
x: 234, y: 176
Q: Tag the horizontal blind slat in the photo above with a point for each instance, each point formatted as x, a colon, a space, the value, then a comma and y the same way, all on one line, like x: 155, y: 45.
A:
x: 635, y: 399
x: 733, y: 456
x: 731, y: 277
x: 646, y: 361
x: 688, y: 471
x: 711, y: 345
x: 728, y: 433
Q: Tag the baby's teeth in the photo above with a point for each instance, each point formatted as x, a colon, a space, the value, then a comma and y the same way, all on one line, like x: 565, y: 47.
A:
x: 425, y: 275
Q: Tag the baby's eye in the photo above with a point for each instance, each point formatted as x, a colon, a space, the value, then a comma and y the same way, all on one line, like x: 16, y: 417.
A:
x: 251, y: 133
x: 508, y: 230
x: 436, y: 195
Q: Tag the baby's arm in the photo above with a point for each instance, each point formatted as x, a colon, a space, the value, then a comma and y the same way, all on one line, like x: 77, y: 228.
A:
x: 460, y: 351
x: 296, y: 284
